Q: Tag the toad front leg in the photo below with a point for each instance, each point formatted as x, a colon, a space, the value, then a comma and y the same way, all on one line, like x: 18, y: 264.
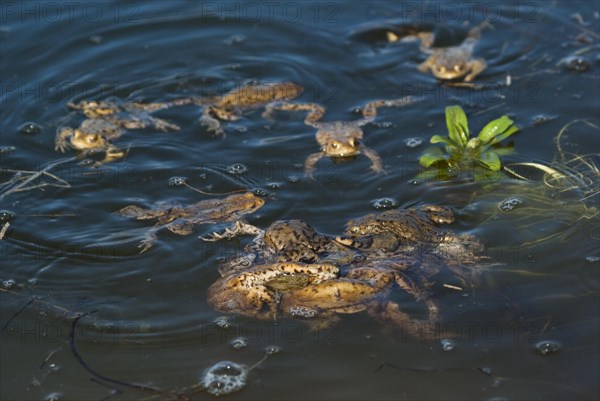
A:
x: 376, y: 164
x: 476, y: 66
x: 62, y: 140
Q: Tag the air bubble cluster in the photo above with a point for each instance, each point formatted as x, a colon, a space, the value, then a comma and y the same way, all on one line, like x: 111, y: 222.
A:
x: 6, y: 149
x: 413, y: 142
x: 239, y: 343
x: 302, y: 311
x: 6, y: 216
x: 447, y: 344
x: 177, y: 181
x: 222, y: 322
x: 509, y: 204
x: 547, y: 347
x: 385, y: 203
x: 30, y: 128
x: 237, y: 169
x: 10, y: 283
x: 272, y: 349
x: 224, y: 377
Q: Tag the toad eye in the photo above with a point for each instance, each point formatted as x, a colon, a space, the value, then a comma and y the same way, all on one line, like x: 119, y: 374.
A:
x: 458, y: 68
x: 354, y: 230
x: 92, y: 138
x: 334, y: 145
x: 442, y: 69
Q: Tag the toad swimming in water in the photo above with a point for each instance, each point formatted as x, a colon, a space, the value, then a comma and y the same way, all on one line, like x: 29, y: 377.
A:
x: 339, y: 139
x: 181, y: 219
x: 106, y: 121
x: 453, y: 62
x: 230, y: 106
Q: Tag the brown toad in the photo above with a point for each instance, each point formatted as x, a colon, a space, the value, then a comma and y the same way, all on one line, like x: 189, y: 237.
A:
x: 106, y: 121
x: 247, y: 292
x: 453, y: 62
x: 181, y: 219
x: 339, y: 139
x: 230, y: 106
x: 415, y: 232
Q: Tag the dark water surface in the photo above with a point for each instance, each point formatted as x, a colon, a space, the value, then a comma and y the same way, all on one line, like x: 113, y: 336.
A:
x: 153, y: 325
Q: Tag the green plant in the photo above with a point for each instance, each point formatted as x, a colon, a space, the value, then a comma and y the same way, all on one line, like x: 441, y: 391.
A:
x: 463, y: 151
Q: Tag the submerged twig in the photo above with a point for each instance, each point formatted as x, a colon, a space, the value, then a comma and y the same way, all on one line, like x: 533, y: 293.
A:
x: 33, y: 175
x: 4, y: 229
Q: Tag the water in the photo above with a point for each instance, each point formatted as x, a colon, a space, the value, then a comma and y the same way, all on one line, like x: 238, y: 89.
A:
x: 153, y: 325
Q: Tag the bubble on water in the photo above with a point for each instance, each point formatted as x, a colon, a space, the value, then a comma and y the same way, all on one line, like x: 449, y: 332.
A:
x: 540, y: 119
x: 86, y: 163
x: 177, y: 181
x: 272, y: 349
x: 509, y: 204
x: 485, y: 370
x: 547, y: 347
x: 447, y: 344
x: 224, y: 377
x: 575, y: 63
x: 30, y: 128
x: 10, y: 283
x: 235, y: 39
x: 385, y: 203
x: 302, y: 311
x: 222, y: 322
x: 6, y: 149
x: 239, y: 343
x: 593, y: 259
x: 237, y: 169
x: 6, y: 216
x: 261, y: 192
x: 413, y: 142
x: 96, y: 39
x: 53, y: 397
x: 274, y: 185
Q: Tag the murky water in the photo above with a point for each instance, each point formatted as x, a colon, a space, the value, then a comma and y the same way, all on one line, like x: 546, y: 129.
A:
x: 151, y: 324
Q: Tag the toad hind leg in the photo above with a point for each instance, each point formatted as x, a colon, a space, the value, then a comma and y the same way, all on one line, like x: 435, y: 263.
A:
x: 315, y: 111
x: 310, y: 163
x: 211, y: 123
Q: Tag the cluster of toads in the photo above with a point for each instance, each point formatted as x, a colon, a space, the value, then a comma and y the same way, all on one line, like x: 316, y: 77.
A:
x: 291, y: 270
x: 105, y: 121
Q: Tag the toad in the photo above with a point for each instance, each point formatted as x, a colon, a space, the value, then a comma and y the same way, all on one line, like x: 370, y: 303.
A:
x: 181, y: 219
x: 453, y: 62
x: 339, y: 139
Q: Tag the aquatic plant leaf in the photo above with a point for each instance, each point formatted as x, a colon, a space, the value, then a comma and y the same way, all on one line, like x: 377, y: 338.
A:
x: 438, y: 139
x: 490, y: 160
x: 511, y: 130
x: 432, y: 156
x: 504, y: 151
x: 497, y: 130
x: 458, y: 128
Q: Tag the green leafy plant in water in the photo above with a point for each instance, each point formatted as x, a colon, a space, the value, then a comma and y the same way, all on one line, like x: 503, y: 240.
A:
x: 462, y: 151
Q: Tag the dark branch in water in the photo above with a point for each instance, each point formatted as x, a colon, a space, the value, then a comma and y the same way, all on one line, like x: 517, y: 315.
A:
x: 17, y: 313
x: 87, y: 367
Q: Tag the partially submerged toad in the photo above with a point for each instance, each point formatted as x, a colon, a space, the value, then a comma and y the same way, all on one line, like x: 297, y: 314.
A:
x: 106, y: 121
x: 339, y: 138
x: 181, y: 219
x: 230, y: 106
x: 453, y: 62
